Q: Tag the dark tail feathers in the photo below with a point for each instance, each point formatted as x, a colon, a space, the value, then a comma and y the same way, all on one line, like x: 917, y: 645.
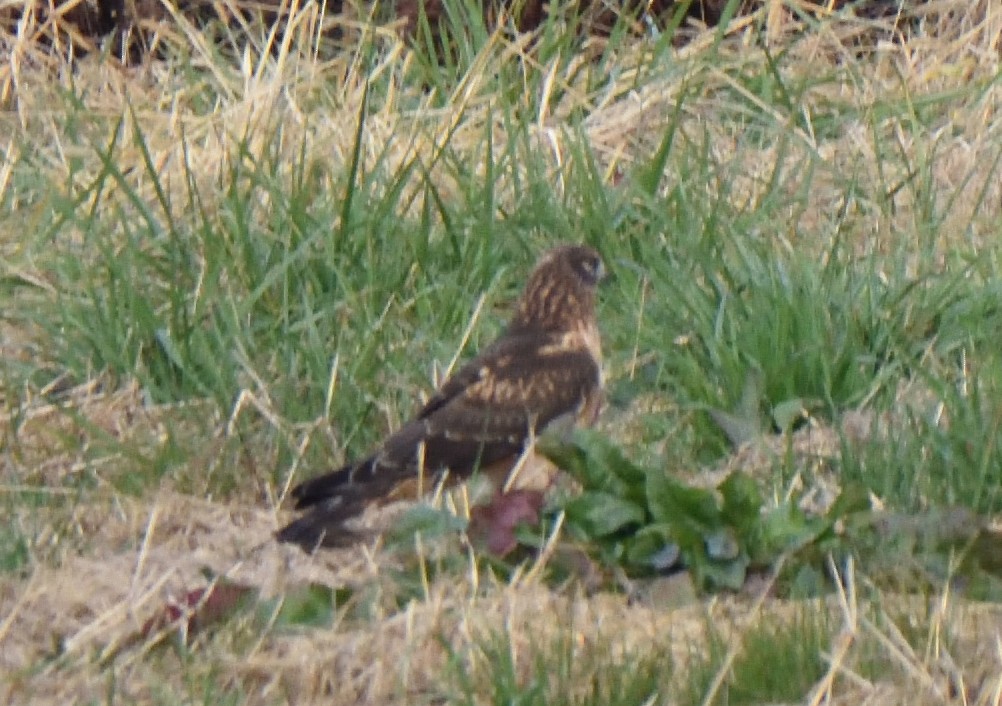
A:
x: 319, y: 527
x: 331, y: 485
x: 329, y: 500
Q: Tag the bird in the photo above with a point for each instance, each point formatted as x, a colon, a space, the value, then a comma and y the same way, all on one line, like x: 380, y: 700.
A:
x: 543, y: 370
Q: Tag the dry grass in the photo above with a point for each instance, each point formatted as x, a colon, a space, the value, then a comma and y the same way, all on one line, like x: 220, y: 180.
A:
x: 121, y: 559
x: 75, y: 613
x: 275, y: 97
x: 99, y: 569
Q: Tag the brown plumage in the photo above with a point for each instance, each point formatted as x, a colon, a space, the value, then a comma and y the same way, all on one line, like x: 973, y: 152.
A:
x: 545, y: 367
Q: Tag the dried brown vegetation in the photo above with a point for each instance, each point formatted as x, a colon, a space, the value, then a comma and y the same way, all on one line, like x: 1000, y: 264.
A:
x: 131, y: 29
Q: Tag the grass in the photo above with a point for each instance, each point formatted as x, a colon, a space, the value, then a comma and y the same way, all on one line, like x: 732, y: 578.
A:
x: 588, y: 672
x: 777, y: 659
x: 236, y: 264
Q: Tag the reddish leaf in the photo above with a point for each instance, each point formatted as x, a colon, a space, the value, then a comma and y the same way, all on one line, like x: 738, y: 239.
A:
x: 198, y: 609
x: 494, y: 524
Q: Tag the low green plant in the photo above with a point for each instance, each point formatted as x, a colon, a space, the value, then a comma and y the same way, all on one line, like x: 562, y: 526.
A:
x: 647, y: 522
x: 565, y: 670
x: 777, y: 659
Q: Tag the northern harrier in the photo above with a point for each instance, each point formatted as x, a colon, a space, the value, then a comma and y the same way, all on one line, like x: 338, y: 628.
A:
x: 544, y: 368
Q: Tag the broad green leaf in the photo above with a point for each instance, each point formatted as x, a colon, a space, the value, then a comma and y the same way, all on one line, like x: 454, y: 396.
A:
x: 677, y: 504
x: 312, y: 605
x: 745, y: 422
x: 570, y: 457
x: 611, y: 458
x: 653, y: 547
x: 577, y: 459
x: 431, y: 522
x: 602, y: 514
x: 788, y: 412
x: 725, y: 574
x: 742, y: 500
x: 736, y: 428
x: 723, y: 545
x: 786, y: 528
x: 597, y: 463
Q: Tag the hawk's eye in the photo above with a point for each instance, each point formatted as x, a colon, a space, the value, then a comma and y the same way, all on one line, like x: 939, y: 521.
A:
x: 591, y: 268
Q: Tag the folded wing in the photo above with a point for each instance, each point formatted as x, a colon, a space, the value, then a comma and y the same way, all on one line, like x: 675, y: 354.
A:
x: 482, y: 415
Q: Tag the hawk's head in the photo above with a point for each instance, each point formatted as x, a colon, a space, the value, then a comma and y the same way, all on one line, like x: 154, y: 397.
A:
x: 560, y: 294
